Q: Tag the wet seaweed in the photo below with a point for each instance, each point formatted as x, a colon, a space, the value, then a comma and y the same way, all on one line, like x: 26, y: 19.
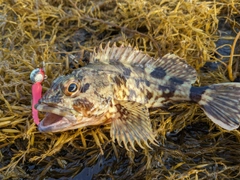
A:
x: 60, y: 35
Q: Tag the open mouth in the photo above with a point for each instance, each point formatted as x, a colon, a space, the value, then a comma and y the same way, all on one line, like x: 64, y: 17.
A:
x: 51, y: 118
x: 56, y: 118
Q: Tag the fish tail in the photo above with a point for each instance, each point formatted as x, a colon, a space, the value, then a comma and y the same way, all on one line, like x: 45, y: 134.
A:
x: 220, y: 102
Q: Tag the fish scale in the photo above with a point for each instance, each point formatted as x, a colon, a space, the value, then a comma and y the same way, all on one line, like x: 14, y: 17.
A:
x: 119, y: 86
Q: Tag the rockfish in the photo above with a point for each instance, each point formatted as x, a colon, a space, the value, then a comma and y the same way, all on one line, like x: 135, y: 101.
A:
x: 118, y: 87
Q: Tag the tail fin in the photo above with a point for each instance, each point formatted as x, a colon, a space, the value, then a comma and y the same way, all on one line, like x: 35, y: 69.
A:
x: 221, y: 103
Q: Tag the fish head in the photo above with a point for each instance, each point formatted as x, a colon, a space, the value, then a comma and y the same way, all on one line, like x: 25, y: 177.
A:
x: 75, y: 101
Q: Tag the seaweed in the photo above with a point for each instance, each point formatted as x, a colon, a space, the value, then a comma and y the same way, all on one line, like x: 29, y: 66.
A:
x: 60, y: 35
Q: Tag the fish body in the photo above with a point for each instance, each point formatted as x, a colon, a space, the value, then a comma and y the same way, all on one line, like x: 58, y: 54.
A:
x: 119, y: 86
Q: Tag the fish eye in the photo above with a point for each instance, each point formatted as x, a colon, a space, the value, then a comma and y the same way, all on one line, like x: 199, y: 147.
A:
x: 70, y: 88
x: 73, y: 87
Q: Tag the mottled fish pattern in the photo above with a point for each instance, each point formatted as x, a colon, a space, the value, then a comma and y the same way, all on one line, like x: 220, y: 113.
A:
x: 120, y: 85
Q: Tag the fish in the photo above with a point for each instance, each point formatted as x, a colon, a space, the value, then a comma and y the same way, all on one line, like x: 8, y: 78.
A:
x: 120, y: 85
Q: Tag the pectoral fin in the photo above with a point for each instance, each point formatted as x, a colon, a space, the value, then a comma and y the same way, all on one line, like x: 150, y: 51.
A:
x: 131, y: 123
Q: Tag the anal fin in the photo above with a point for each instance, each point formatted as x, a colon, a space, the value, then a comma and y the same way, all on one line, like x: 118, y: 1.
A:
x: 131, y: 123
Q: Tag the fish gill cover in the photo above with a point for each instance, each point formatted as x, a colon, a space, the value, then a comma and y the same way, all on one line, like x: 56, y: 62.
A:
x: 62, y: 34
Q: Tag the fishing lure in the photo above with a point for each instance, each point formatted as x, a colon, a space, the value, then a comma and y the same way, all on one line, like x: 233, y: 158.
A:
x: 37, y: 76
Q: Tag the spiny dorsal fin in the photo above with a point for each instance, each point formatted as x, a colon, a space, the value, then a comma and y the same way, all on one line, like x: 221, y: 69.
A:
x: 131, y: 123
x: 170, y: 64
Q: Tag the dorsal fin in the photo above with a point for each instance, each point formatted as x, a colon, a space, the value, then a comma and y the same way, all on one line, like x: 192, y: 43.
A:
x: 172, y: 64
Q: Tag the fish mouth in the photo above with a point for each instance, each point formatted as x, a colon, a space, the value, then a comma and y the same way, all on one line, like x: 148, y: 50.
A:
x: 56, y: 119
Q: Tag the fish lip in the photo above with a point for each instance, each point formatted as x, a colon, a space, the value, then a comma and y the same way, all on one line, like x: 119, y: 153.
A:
x: 59, y: 110
x: 64, y: 116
